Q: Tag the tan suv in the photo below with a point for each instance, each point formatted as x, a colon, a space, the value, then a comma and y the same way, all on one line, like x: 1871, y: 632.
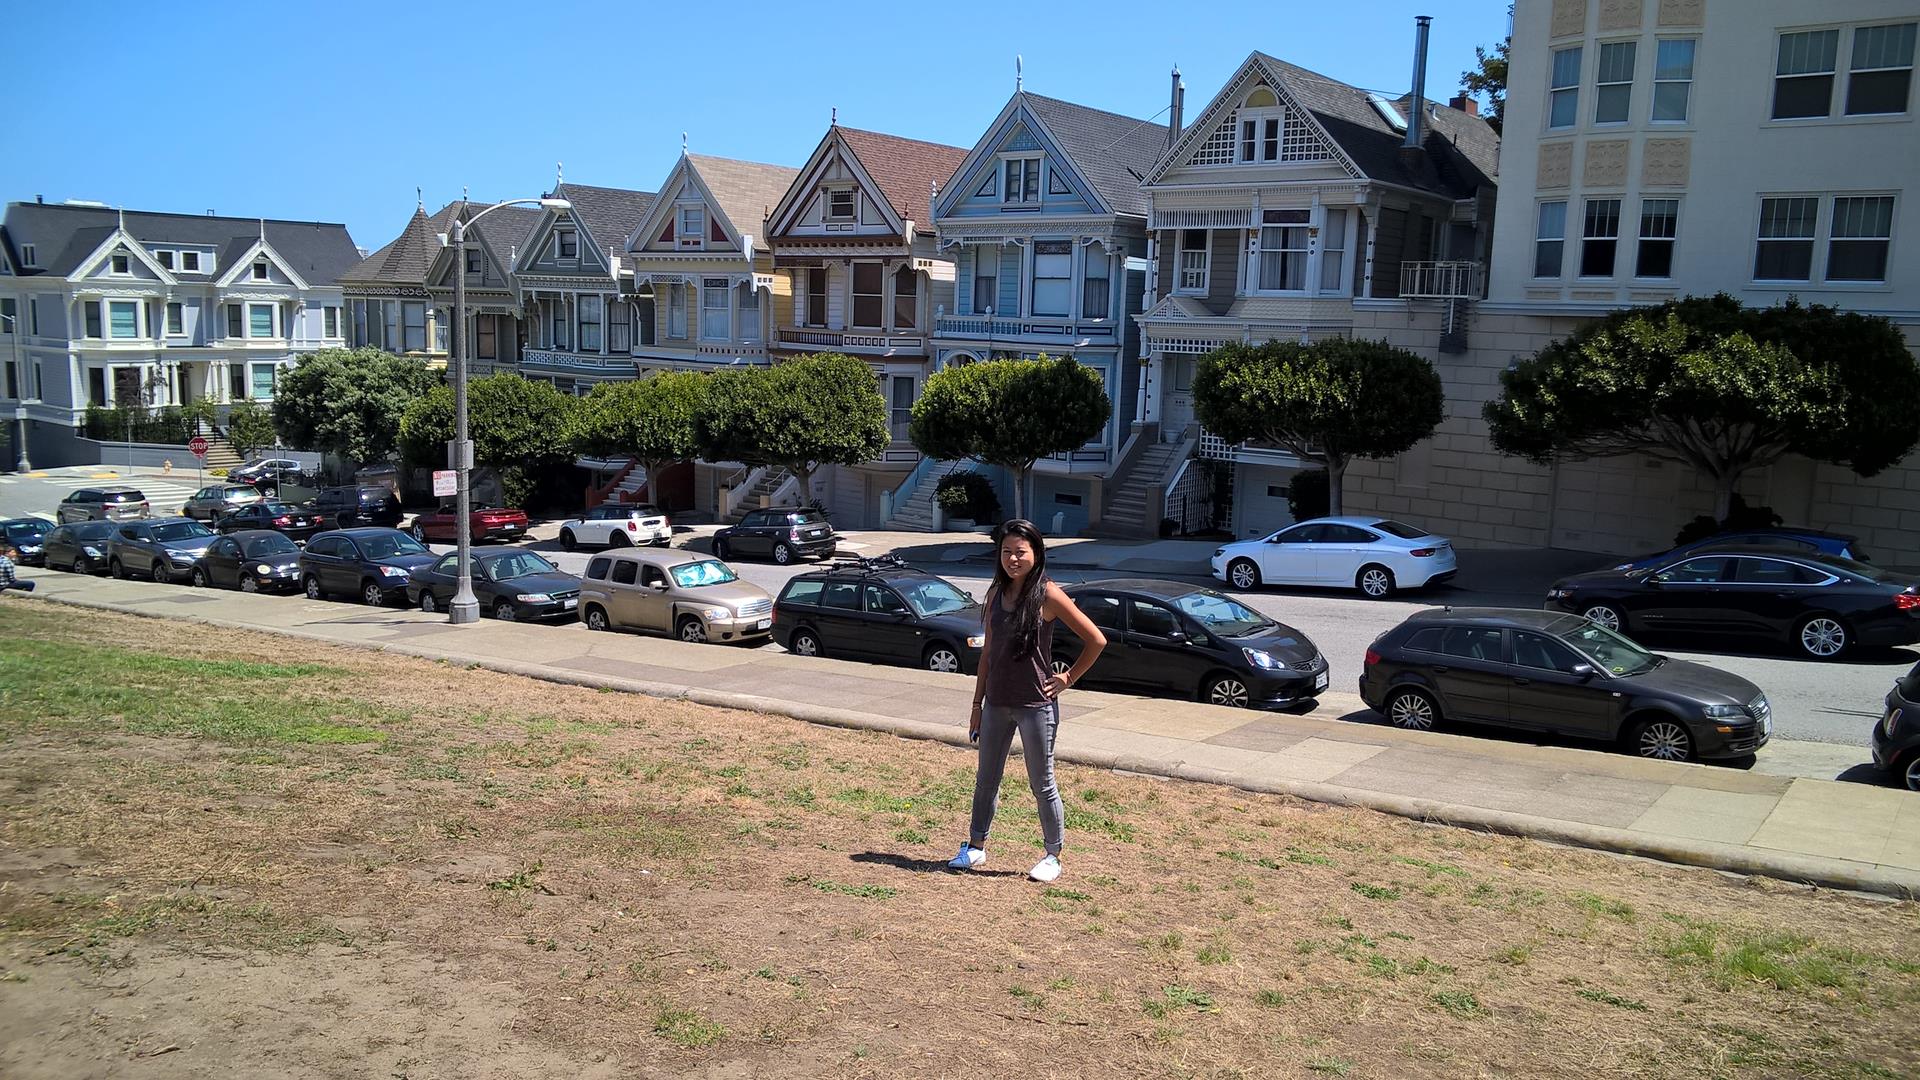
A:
x: 683, y: 593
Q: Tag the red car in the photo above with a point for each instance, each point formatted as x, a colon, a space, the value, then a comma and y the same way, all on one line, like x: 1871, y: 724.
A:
x: 488, y: 523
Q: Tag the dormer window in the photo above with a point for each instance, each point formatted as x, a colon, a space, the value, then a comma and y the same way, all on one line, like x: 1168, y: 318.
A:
x: 122, y: 264
x: 190, y: 260
x: 473, y: 261
x: 28, y: 257
x: 841, y: 204
x: 566, y: 244
x: 164, y: 258
x: 1022, y: 186
x: 692, y: 228
x: 260, y: 270
x: 1261, y: 121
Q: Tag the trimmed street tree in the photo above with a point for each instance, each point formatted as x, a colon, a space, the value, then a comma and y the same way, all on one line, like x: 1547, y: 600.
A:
x: 654, y: 420
x: 519, y: 427
x: 1327, y: 402
x: 249, y: 427
x: 1718, y: 387
x: 823, y: 409
x: 348, y: 401
x: 1010, y: 413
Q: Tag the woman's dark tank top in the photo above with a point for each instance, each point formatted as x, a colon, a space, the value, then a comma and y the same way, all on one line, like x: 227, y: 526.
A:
x: 1017, y: 681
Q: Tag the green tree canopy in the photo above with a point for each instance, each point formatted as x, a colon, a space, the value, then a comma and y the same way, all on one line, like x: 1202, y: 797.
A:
x: 249, y: 427
x: 1489, y: 76
x: 348, y: 401
x: 1719, y: 387
x: 654, y: 420
x: 1329, y: 401
x: 519, y: 426
x: 1010, y: 413
x: 803, y: 414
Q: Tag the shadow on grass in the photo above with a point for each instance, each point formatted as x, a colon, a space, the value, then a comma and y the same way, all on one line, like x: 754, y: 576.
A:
x: 922, y: 866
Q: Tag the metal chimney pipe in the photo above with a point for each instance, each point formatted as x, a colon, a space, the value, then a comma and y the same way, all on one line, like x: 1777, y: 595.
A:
x: 1417, y: 102
x: 1177, y: 108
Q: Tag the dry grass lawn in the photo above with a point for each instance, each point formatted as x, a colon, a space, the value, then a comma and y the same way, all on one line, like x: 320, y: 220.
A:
x: 229, y: 854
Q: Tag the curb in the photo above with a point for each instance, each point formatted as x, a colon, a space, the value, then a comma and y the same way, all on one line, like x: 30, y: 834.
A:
x: 1733, y: 858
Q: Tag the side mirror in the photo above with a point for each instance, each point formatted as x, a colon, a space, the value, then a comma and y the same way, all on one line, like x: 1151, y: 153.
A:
x: 1583, y: 671
x: 1179, y: 637
x: 1654, y: 581
x: 658, y: 586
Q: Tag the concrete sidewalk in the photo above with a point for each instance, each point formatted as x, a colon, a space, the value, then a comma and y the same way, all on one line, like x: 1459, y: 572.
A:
x: 1834, y: 834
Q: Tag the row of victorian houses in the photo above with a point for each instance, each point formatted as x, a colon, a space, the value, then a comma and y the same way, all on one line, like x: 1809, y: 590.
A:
x: 1292, y: 206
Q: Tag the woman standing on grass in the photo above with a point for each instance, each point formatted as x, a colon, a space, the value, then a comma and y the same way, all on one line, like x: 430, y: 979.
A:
x: 1016, y: 690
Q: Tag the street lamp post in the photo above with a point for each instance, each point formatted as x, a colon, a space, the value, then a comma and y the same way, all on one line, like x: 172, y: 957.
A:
x: 20, y: 377
x: 465, y: 607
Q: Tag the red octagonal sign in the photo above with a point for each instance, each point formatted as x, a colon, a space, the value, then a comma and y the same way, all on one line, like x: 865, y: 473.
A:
x: 198, y: 445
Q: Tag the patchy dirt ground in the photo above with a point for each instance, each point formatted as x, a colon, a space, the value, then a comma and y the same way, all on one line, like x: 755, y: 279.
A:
x: 228, y: 854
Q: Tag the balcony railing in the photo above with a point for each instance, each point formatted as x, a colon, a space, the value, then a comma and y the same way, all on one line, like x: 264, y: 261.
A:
x: 852, y: 341
x: 566, y: 361
x: 1442, y: 280
x: 986, y: 326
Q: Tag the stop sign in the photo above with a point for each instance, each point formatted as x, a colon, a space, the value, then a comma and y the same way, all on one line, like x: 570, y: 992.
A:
x: 198, y: 445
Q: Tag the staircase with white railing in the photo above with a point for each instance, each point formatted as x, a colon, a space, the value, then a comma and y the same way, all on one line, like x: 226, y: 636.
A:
x: 1138, y: 501
x: 766, y: 483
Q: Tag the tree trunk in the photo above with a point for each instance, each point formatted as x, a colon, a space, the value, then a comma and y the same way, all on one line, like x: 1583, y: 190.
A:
x: 1020, y: 490
x: 805, y: 475
x: 1336, y: 479
x: 1723, y: 486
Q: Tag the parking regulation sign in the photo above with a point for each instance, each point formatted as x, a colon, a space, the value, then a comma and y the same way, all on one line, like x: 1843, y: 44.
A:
x: 198, y: 445
x: 445, y: 482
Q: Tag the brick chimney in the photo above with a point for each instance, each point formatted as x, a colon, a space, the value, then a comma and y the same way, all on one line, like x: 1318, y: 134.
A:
x: 1465, y: 104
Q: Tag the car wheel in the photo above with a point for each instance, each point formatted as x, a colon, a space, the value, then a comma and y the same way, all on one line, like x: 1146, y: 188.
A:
x: 419, y: 533
x: 161, y: 573
x: 597, y: 619
x: 312, y: 585
x: 426, y: 601
x: 372, y: 595
x: 1822, y: 637
x: 199, y: 578
x: 782, y: 554
x: 1374, y: 581
x: 1607, y: 617
x: 81, y: 565
x: 720, y: 550
x: 1413, y: 710
x: 567, y: 541
x: 619, y: 540
x: 692, y: 631
x: 115, y: 568
x: 249, y: 583
x: 941, y: 657
x: 803, y: 643
x: 1911, y: 774
x: 1243, y: 575
x: 1663, y: 740
x: 1060, y: 665
x: 1228, y: 690
x: 504, y: 611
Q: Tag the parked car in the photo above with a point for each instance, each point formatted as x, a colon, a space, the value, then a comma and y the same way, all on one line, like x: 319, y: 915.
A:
x: 264, y: 471
x: 1164, y: 637
x: 252, y: 560
x: 214, y: 501
x: 1821, y: 606
x: 682, y: 593
x: 1559, y: 673
x: 485, y: 523
x: 1786, y: 541
x: 617, y: 525
x: 295, y: 522
x: 163, y: 549
x: 782, y: 534
x: 80, y: 547
x: 1374, y: 555
x: 1896, y: 738
x: 28, y: 537
x: 882, y: 610
x: 357, y: 507
x: 103, y: 504
x: 370, y: 563
x: 512, y: 584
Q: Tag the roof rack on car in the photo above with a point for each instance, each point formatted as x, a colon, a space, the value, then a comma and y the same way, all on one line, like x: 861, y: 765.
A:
x: 867, y: 564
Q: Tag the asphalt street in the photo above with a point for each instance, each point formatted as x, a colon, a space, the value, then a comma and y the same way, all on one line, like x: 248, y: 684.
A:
x: 1831, y: 703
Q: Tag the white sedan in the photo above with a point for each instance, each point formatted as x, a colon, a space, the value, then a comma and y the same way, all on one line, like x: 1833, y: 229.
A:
x: 617, y: 525
x: 1374, y: 555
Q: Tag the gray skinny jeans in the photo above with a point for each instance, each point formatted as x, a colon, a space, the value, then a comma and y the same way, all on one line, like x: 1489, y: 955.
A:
x: 1037, y: 727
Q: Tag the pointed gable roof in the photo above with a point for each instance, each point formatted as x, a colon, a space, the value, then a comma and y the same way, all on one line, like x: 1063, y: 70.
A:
x: 906, y: 170
x: 404, y: 260
x: 745, y: 191
x: 609, y: 214
x: 1113, y: 152
x: 318, y: 251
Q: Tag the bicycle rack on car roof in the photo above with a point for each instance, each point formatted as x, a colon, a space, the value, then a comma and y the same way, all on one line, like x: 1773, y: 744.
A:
x: 867, y: 564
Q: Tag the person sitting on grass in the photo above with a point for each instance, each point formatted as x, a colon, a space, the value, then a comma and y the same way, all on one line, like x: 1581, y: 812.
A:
x: 8, y: 579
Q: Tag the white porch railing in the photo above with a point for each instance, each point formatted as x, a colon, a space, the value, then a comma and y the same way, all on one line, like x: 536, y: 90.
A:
x: 1442, y: 280
x: 1046, y: 330
x: 852, y: 341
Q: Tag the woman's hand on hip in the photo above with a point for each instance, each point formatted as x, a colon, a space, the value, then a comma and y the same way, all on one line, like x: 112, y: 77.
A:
x: 1055, y: 686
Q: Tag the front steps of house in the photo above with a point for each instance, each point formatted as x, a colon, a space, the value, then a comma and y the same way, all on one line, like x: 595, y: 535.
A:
x: 917, y: 513
x: 1130, y: 505
x: 770, y: 480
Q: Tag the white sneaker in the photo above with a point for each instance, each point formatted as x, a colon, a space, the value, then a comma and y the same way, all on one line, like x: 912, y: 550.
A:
x: 971, y: 858
x: 1047, y: 869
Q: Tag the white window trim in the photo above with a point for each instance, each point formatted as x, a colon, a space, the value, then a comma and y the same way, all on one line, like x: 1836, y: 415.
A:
x: 707, y: 291
x: 1619, y: 225
x: 1673, y: 255
x: 742, y: 330
x: 1835, y: 100
x: 1320, y: 247
x: 1574, y: 87
x: 1259, y: 116
x: 1566, y: 205
x: 1206, y: 271
x: 167, y: 314
x: 1626, y: 117
x: 1816, y: 278
x: 1020, y: 202
x: 1653, y: 72
x: 573, y: 258
x: 682, y: 235
x: 106, y: 319
x: 1316, y: 221
x: 852, y: 296
x: 247, y: 323
x: 1825, y: 249
x: 199, y: 262
x: 1842, y: 92
x: 117, y: 256
x: 827, y: 193
x: 29, y: 256
x: 262, y: 271
x: 1072, y: 279
x: 330, y: 312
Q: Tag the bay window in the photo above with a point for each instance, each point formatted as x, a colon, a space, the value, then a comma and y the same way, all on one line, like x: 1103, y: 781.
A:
x: 620, y: 327
x: 677, y: 312
x: 1333, y: 251
x: 556, y: 324
x: 589, y: 314
x: 123, y: 318
x: 749, y: 310
x: 1193, y: 261
x: 817, y: 296
x: 413, y: 327
x: 1052, y: 277
x: 90, y: 311
x: 868, y: 281
x: 986, y: 279
x: 486, y: 337
x: 1283, y: 251
x: 236, y: 321
x: 1096, y: 291
x: 906, y: 298
x: 716, y: 321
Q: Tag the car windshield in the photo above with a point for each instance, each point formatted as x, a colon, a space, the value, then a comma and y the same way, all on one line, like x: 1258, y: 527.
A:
x: 1223, y: 616
x: 30, y: 531
x: 1400, y: 529
x: 705, y: 572
x: 520, y: 564
x: 934, y: 597
x: 261, y: 547
x: 1610, y: 650
x: 388, y: 545
x: 125, y: 497
x: 180, y: 530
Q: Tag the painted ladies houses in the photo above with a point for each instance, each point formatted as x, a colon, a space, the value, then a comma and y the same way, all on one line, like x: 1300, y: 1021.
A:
x: 853, y: 236
x: 581, y: 328
x: 107, y: 308
x: 1298, y: 207
x: 1047, y: 223
x: 496, y: 328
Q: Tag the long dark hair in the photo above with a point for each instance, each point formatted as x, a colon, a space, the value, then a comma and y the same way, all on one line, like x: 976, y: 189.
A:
x: 1026, y: 606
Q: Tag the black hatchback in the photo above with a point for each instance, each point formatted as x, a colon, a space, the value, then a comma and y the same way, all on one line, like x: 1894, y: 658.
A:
x: 1164, y: 637
x: 881, y: 610
x: 28, y: 536
x: 1821, y: 606
x: 352, y: 507
x: 295, y: 522
x: 1563, y: 674
x: 1896, y: 738
x: 783, y: 534
x: 255, y: 560
x: 372, y: 564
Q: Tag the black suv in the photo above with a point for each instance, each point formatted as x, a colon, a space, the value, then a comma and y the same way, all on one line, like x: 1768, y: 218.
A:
x: 783, y: 534
x: 883, y: 610
x: 1187, y: 640
x: 373, y: 564
x: 1565, y: 674
x: 352, y: 507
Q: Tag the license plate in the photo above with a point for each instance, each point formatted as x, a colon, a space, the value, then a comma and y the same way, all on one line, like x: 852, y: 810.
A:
x: 571, y: 603
x: 1320, y: 681
x: 1766, y: 726
x: 763, y: 624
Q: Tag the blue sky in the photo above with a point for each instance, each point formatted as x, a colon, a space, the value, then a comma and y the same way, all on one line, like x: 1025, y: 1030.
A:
x: 338, y: 111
